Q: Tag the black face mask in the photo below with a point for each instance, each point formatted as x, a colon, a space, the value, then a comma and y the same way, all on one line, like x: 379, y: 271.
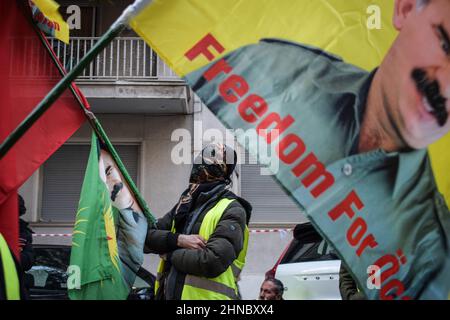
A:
x: 213, y: 164
x: 431, y: 91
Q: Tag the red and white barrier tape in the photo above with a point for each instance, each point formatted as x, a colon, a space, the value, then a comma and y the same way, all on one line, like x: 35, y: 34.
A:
x: 269, y: 230
x: 69, y: 234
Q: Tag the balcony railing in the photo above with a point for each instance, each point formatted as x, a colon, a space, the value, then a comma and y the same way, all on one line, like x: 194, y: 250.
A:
x: 125, y: 58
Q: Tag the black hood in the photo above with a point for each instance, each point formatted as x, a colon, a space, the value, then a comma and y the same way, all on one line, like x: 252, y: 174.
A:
x: 216, y: 162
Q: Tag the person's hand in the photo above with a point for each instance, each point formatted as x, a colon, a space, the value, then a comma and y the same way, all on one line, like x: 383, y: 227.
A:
x: 191, y: 241
x: 163, y: 256
x: 22, y: 243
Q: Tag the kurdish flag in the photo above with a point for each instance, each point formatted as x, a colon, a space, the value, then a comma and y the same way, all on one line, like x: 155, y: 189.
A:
x: 359, y: 31
x: 287, y: 64
x: 109, y: 233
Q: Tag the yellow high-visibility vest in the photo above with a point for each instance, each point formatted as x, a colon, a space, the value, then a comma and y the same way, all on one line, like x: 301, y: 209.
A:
x: 9, y: 271
x: 224, y: 286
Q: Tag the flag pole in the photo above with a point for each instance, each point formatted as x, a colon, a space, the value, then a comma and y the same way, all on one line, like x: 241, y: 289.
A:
x: 65, y: 82
x: 53, y: 95
x: 101, y: 133
x: 97, y: 127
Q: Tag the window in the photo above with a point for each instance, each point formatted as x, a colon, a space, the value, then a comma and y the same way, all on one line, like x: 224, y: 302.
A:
x: 63, y: 175
x: 81, y: 19
x: 271, y: 205
x: 48, y: 277
x: 306, y: 252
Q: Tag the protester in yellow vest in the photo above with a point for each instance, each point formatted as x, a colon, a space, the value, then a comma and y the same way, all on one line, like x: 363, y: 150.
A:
x: 203, y: 239
x: 10, y: 288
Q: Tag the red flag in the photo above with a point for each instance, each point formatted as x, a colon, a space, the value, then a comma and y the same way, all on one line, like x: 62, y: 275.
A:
x: 27, y: 74
x: 9, y: 222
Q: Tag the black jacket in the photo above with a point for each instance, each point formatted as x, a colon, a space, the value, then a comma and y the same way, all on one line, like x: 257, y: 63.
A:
x: 348, y: 286
x: 25, y: 239
x: 26, y: 245
x: 222, y: 248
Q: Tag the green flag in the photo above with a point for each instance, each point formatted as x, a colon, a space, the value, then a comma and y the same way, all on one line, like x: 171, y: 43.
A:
x: 109, y: 232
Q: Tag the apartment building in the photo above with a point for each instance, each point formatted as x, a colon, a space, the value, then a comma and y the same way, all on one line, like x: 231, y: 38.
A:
x: 141, y: 104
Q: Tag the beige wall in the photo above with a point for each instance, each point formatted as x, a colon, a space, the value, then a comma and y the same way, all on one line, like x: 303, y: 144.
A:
x: 160, y: 180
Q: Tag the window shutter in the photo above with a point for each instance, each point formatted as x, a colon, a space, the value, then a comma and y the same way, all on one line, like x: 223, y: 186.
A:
x: 63, y: 176
x: 271, y: 205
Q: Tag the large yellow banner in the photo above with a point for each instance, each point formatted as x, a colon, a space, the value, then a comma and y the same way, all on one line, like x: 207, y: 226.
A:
x: 337, y: 26
x: 356, y: 90
x: 359, y: 31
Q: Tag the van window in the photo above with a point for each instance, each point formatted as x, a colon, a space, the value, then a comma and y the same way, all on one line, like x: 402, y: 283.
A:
x: 306, y: 252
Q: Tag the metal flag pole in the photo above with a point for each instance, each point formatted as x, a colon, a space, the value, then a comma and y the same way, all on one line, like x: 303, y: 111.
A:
x: 115, y: 29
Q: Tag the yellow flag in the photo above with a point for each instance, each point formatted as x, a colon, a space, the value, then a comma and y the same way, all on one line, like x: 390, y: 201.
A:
x: 375, y: 209
x: 49, y: 20
x: 337, y: 26
x: 440, y: 160
x: 359, y: 31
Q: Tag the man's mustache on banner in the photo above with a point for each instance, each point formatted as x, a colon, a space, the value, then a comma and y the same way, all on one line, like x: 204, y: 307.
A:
x: 431, y: 91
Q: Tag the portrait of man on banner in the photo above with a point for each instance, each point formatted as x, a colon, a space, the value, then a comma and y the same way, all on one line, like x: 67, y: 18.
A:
x: 352, y: 140
x: 131, y: 224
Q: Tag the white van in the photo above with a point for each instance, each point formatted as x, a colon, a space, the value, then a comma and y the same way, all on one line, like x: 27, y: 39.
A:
x: 308, y: 267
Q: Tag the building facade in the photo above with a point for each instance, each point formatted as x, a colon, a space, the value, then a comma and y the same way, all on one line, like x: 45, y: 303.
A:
x: 148, y: 113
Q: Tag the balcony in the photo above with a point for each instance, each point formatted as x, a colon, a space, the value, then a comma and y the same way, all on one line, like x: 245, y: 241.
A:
x: 128, y: 59
x: 126, y: 77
